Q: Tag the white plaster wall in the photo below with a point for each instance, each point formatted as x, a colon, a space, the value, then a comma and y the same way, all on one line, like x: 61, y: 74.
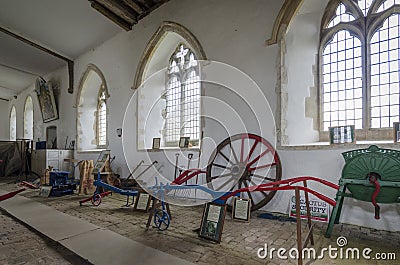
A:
x: 4, y: 120
x: 302, y: 42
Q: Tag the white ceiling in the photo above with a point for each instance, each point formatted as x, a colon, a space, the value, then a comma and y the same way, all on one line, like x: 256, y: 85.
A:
x: 67, y: 27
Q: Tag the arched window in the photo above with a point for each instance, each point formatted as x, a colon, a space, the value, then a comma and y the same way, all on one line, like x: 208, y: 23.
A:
x: 182, y: 97
x: 28, y: 118
x: 169, y: 89
x: 359, y: 65
x: 102, y: 119
x: 13, y: 124
x: 92, y: 110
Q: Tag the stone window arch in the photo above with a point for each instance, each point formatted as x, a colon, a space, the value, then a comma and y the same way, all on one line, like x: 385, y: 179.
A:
x: 92, y: 110
x: 169, y: 88
x: 13, y: 124
x: 28, y: 118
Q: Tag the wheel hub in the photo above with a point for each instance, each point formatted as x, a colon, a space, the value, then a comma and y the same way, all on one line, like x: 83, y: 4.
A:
x: 240, y: 171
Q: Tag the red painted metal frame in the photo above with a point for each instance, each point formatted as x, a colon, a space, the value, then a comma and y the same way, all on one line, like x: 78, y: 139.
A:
x: 10, y: 194
x: 91, y: 197
x: 275, y: 186
x: 29, y: 185
x: 186, y: 175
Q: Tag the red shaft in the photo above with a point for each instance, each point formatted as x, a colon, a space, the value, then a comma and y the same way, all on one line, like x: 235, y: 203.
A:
x: 11, y: 194
x: 90, y: 198
x: 373, y: 198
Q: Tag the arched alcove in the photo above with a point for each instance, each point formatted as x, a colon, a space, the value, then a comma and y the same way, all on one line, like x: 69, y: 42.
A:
x: 13, y: 124
x: 91, y: 83
x: 153, y: 92
x: 28, y: 118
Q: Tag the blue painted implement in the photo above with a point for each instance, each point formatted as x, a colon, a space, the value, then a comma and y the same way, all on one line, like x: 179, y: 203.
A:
x: 163, y: 190
x: 102, y: 185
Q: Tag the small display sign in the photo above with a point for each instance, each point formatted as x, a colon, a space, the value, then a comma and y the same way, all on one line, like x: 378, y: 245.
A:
x: 319, y: 209
x: 212, y: 222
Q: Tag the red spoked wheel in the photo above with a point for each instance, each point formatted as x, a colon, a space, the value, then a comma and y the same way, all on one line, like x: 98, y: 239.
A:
x: 244, y: 160
x: 96, y: 200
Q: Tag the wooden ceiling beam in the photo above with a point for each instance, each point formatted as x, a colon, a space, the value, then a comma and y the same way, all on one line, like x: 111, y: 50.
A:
x: 120, y: 9
x: 110, y: 15
x: 70, y: 63
x: 144, y: 3
x: 132, y: 4
x: 126, y: 13
x: 152, y: 8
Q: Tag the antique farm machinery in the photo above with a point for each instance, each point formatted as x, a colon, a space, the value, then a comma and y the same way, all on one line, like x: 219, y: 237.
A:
x: 123, y: 186
x: 162, y: 191
x: 371, y: 175
x: 240, y: 161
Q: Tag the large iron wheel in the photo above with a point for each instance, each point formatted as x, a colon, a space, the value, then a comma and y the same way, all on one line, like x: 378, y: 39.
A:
x: 244, y: 160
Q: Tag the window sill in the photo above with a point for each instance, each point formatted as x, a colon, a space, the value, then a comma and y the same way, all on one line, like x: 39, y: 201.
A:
x: 196, y: 148
x: 327, y: 146
x: 91, y: 151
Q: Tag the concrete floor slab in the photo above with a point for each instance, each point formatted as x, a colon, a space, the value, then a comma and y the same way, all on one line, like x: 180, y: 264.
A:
x: 89, y: 241
x: 54, y: 224
x: 106, y: 247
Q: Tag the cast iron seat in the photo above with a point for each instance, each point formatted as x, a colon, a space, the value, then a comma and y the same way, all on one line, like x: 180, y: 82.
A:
x: 371, y: 175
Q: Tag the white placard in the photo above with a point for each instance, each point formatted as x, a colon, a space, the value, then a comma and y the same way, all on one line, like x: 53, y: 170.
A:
x: 213, y: 213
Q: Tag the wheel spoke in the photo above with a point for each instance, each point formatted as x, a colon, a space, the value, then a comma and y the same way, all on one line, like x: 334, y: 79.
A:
x: 231, y: 189
x: 234, y: 153
x: 261, y: 177
x: 249, y: 193
x: 263, y: 192
x: 226, y: 158
x: 221, y: 166
x: 224, y: 184
x: 253, y: 183
x: 258, y: 157
x: 221, y: 176
x: 242, y: 149
x: 251, y: 151
x: 263, y: 166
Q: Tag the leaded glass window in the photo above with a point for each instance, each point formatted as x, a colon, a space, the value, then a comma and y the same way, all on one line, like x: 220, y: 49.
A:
x: 359, y: 63
x: 102, y: 119
x: 182, y: 113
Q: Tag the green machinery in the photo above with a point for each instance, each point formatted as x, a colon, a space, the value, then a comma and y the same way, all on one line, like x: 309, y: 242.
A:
x: 371, y: 175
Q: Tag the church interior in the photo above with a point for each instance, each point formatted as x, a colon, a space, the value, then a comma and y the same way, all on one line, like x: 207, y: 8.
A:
x: 200, y: 132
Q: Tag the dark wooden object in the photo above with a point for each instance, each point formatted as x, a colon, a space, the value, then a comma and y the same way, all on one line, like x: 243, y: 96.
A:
x: 126, y: 13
